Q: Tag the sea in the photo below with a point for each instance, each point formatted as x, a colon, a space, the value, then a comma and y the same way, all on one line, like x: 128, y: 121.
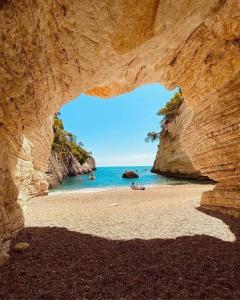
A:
x: 111, y: 178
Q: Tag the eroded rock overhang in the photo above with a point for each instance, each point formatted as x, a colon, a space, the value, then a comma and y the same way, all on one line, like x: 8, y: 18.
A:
x: 51, y: 51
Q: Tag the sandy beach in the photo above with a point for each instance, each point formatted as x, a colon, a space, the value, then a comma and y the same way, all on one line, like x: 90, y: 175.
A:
x: 168, y: 211
x: 124, y: 244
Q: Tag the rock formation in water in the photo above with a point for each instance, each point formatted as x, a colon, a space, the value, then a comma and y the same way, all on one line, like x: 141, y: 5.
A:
x: 171, y: 159
x: 68, y: 157
x: 51, y: 51
x: 130, y: 174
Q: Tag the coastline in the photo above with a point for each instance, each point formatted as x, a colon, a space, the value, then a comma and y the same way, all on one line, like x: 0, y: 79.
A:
x: 94, y: 190
x: 122, y: 188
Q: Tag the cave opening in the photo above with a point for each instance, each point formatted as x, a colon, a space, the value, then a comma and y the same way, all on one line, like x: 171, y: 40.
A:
x: 89, y: 118
x: 113, y: 131
x: 50, y: 52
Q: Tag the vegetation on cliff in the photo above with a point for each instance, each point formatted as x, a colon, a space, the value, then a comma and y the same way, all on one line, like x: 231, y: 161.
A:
x: 65, y: 142
x: 172, y: 107
x: 168, y: 113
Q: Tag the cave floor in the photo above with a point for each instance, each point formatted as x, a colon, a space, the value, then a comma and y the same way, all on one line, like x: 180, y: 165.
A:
x: 125, y: 245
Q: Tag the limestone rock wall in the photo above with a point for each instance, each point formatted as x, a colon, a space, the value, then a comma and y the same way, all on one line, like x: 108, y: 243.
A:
x: 58, y: 168
x: 171, y: 159
x: 51, y: 51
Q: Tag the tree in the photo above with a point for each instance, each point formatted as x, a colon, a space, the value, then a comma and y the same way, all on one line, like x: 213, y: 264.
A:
x: 167, y: 113
x: 152, y: 137
x: 66, y: 142
x: 80, y: 144
x: 72, y: 137
x: 57, y: 114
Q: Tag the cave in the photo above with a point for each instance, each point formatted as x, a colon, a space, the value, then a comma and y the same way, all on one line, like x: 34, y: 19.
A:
x: 52, y: 51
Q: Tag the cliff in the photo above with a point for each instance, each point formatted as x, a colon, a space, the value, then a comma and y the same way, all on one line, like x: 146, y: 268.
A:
x: 59, y: 168
x: 52, y: 51
x: 68, y: 157
x: 171, y: 159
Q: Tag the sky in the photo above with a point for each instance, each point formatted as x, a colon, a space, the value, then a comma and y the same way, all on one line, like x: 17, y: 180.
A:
x: 114, y: 129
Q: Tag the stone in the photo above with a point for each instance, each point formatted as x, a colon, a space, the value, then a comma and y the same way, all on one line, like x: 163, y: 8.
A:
x: 130, y: 174
x: 114, y: 204
x: 21, y: 247
x: 52, y: 51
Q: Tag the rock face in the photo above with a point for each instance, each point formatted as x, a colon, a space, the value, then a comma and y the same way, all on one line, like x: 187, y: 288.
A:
x: 68, y: 157
x: 130, y: 174
x: 51, y: 51
x: 58, y: 169
x: 171, y: 159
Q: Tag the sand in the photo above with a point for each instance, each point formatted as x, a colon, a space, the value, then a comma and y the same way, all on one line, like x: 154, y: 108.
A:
x: 168, y: 211
x: 124, y: 244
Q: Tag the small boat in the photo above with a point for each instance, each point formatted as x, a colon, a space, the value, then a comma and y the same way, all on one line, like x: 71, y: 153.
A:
x: 140, y: 188
x: 91, y: 177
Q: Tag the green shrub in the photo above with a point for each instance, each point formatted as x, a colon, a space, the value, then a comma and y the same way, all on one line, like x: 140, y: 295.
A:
x: 65, y: 142
x: 152, y: 136
x: 168, y: 113
x: 171, y: 108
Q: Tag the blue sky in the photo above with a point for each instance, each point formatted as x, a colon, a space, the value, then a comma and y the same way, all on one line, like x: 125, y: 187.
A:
x: 114, y: 129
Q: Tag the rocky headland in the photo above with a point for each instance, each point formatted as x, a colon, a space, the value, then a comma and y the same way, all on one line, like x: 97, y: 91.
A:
x: 172, y: 159
x: 59, y: 168
x: 68, y: 157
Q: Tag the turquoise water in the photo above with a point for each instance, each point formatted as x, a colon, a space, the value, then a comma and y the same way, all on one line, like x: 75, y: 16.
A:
x: 111, y: 177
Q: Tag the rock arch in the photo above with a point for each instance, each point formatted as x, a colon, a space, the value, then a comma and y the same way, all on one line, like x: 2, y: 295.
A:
x: 51, y: 51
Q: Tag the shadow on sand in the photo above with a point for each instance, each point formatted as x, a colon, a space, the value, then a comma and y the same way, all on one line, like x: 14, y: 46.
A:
x: 62, y: 264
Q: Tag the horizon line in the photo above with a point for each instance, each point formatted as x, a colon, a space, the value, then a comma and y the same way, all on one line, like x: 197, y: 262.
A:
x: 123, y: 166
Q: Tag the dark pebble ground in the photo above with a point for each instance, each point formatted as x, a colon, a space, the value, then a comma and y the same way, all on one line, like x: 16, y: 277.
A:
x: 62, y: 264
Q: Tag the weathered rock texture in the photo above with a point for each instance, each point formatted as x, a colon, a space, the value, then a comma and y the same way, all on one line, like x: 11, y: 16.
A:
x: 130, y: 174
x: 51, y: 51
x: 171, y: 159
x: 59, y: 168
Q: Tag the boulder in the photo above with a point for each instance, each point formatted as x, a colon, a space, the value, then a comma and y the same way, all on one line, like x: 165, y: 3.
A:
x: 21, y: 247
x: 130, y: 174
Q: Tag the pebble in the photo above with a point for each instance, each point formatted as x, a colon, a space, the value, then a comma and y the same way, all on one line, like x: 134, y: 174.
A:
x: 20, y: 247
